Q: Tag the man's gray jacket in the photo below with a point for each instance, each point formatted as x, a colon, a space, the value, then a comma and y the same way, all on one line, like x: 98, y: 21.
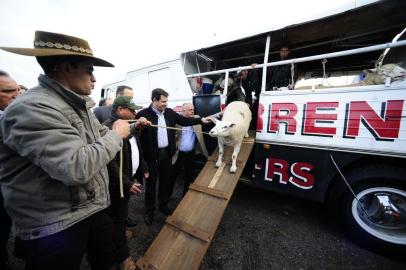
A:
x: 53, y: 157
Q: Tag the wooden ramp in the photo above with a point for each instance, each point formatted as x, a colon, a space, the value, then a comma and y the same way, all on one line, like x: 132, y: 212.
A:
x: 186, y: 236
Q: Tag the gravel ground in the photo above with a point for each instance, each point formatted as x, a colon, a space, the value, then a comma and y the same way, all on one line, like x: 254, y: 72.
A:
x: 265, y: 230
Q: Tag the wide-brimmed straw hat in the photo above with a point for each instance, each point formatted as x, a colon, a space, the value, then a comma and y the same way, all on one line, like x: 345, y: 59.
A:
x: 54, y: 44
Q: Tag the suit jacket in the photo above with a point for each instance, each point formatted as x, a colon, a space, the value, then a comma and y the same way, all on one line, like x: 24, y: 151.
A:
x: 102, y: 113
x: 200, y: 142
x: 149, y: 139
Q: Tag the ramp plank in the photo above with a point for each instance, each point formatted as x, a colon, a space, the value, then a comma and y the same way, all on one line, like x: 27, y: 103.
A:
x: 187, y: 234
x: 210, y: 191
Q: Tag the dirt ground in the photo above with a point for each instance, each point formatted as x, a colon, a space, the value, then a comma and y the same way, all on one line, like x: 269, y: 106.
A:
x: 265, y: 230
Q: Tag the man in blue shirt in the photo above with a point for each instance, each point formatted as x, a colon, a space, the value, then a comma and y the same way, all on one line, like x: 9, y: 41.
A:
x: 188, y: 142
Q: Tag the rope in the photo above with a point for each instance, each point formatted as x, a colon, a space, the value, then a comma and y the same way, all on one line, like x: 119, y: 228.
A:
x: 324, y: 72
x: 121, y: 173
x: 349, y: 187
x: 121, y: 153
x: 174, y: 128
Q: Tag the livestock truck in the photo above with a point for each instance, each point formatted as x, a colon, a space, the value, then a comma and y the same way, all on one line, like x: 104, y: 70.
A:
x: 332, y: 139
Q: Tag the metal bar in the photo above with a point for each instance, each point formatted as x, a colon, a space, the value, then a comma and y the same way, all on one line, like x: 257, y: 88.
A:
x: 268, y: 42
x: 225, y: 84
x: 309, y: 58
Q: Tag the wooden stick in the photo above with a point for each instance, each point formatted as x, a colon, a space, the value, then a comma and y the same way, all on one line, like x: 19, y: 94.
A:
x: 217, y: 175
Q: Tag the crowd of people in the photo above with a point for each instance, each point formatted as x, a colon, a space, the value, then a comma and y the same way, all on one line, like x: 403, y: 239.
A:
x: 67, y: 173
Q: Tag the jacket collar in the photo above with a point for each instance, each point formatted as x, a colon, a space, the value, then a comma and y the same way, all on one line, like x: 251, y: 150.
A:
x: 156, y: 111
x: 71, y: 97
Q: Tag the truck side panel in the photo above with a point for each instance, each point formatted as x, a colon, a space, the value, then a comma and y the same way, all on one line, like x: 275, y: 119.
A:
x: 363, y: 119
x: 299, y: 131
x: 302, y: 172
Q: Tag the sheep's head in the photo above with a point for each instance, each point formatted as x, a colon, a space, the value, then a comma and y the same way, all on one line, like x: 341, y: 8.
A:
x: 221, y: 129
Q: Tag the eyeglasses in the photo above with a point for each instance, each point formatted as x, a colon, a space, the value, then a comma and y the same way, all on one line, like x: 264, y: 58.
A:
x: 9, y: 91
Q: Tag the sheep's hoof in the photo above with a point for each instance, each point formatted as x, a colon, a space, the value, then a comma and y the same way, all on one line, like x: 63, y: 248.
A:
x: 233, y: 169
x: 218, y: 163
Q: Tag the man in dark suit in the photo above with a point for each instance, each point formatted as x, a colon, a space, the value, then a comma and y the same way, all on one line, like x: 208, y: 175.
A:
x: 158, y: 145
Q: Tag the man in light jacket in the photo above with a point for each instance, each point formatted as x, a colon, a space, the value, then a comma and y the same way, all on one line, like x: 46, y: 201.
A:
x: 189, y: 141
x: 53, y: 157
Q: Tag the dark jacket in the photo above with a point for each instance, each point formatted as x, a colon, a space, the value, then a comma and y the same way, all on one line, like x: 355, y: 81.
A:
x: 236, y: 93
x: 252, y: 84
x: 149, y: 140
x: 114, y: 165
x: 102, y: 113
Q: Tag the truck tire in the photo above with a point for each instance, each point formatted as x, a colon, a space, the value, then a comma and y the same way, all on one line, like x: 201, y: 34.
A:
x: 377, y: 218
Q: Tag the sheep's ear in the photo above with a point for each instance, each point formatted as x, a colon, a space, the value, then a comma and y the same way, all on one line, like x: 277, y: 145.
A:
x: 231, y: 125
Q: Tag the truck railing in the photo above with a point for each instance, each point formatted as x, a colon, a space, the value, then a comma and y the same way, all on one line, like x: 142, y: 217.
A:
x: 300, y: 60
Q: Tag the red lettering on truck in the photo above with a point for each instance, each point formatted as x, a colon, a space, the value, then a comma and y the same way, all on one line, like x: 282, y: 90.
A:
x: 312, y: 116
x: 298, y: 174
x: 384, y: 127
x: 283, y: 113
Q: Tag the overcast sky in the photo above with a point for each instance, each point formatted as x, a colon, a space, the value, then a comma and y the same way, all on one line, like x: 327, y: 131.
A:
x: 133, y: 34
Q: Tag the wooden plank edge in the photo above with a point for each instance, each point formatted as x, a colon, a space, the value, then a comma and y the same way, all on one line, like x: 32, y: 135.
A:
x: 210, y: 191
x: 189, y: 229
x: 143, y: 264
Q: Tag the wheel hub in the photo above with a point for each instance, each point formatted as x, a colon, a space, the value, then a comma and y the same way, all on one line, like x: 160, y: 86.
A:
x: 381, y: 211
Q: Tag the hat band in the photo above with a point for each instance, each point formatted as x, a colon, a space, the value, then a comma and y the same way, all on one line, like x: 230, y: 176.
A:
x: 62, y: 46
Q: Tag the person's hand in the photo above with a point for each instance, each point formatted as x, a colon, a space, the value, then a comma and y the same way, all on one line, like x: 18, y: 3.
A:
x: 142, y: 121
x: 135, y: 188
x: 254, y: 65
x: 206, y: 120
x: 122, y: 128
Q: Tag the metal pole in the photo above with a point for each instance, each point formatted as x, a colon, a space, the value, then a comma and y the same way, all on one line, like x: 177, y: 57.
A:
x: 225, y: 84
x: 268, y: 41
x: 309, y: 58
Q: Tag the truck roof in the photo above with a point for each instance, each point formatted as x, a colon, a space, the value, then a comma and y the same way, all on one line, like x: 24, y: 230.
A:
x: 371, y: 24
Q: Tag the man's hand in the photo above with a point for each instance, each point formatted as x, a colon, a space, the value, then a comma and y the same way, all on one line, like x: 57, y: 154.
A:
x: 142, y: 121
x: 206, y: 120
x: 135, y: 188
x: 122, y: 128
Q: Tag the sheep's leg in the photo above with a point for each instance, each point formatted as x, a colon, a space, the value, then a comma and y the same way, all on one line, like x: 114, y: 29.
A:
x: 237, y: 148
x: 246, y: 134
x: 221, y: 151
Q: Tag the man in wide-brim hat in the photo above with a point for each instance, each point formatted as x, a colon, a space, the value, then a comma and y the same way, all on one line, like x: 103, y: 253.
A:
x: 53, y: 157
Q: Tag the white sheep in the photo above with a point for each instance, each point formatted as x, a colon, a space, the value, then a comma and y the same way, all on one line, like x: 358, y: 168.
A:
x: 378, y: 75
x: 231, y: 130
